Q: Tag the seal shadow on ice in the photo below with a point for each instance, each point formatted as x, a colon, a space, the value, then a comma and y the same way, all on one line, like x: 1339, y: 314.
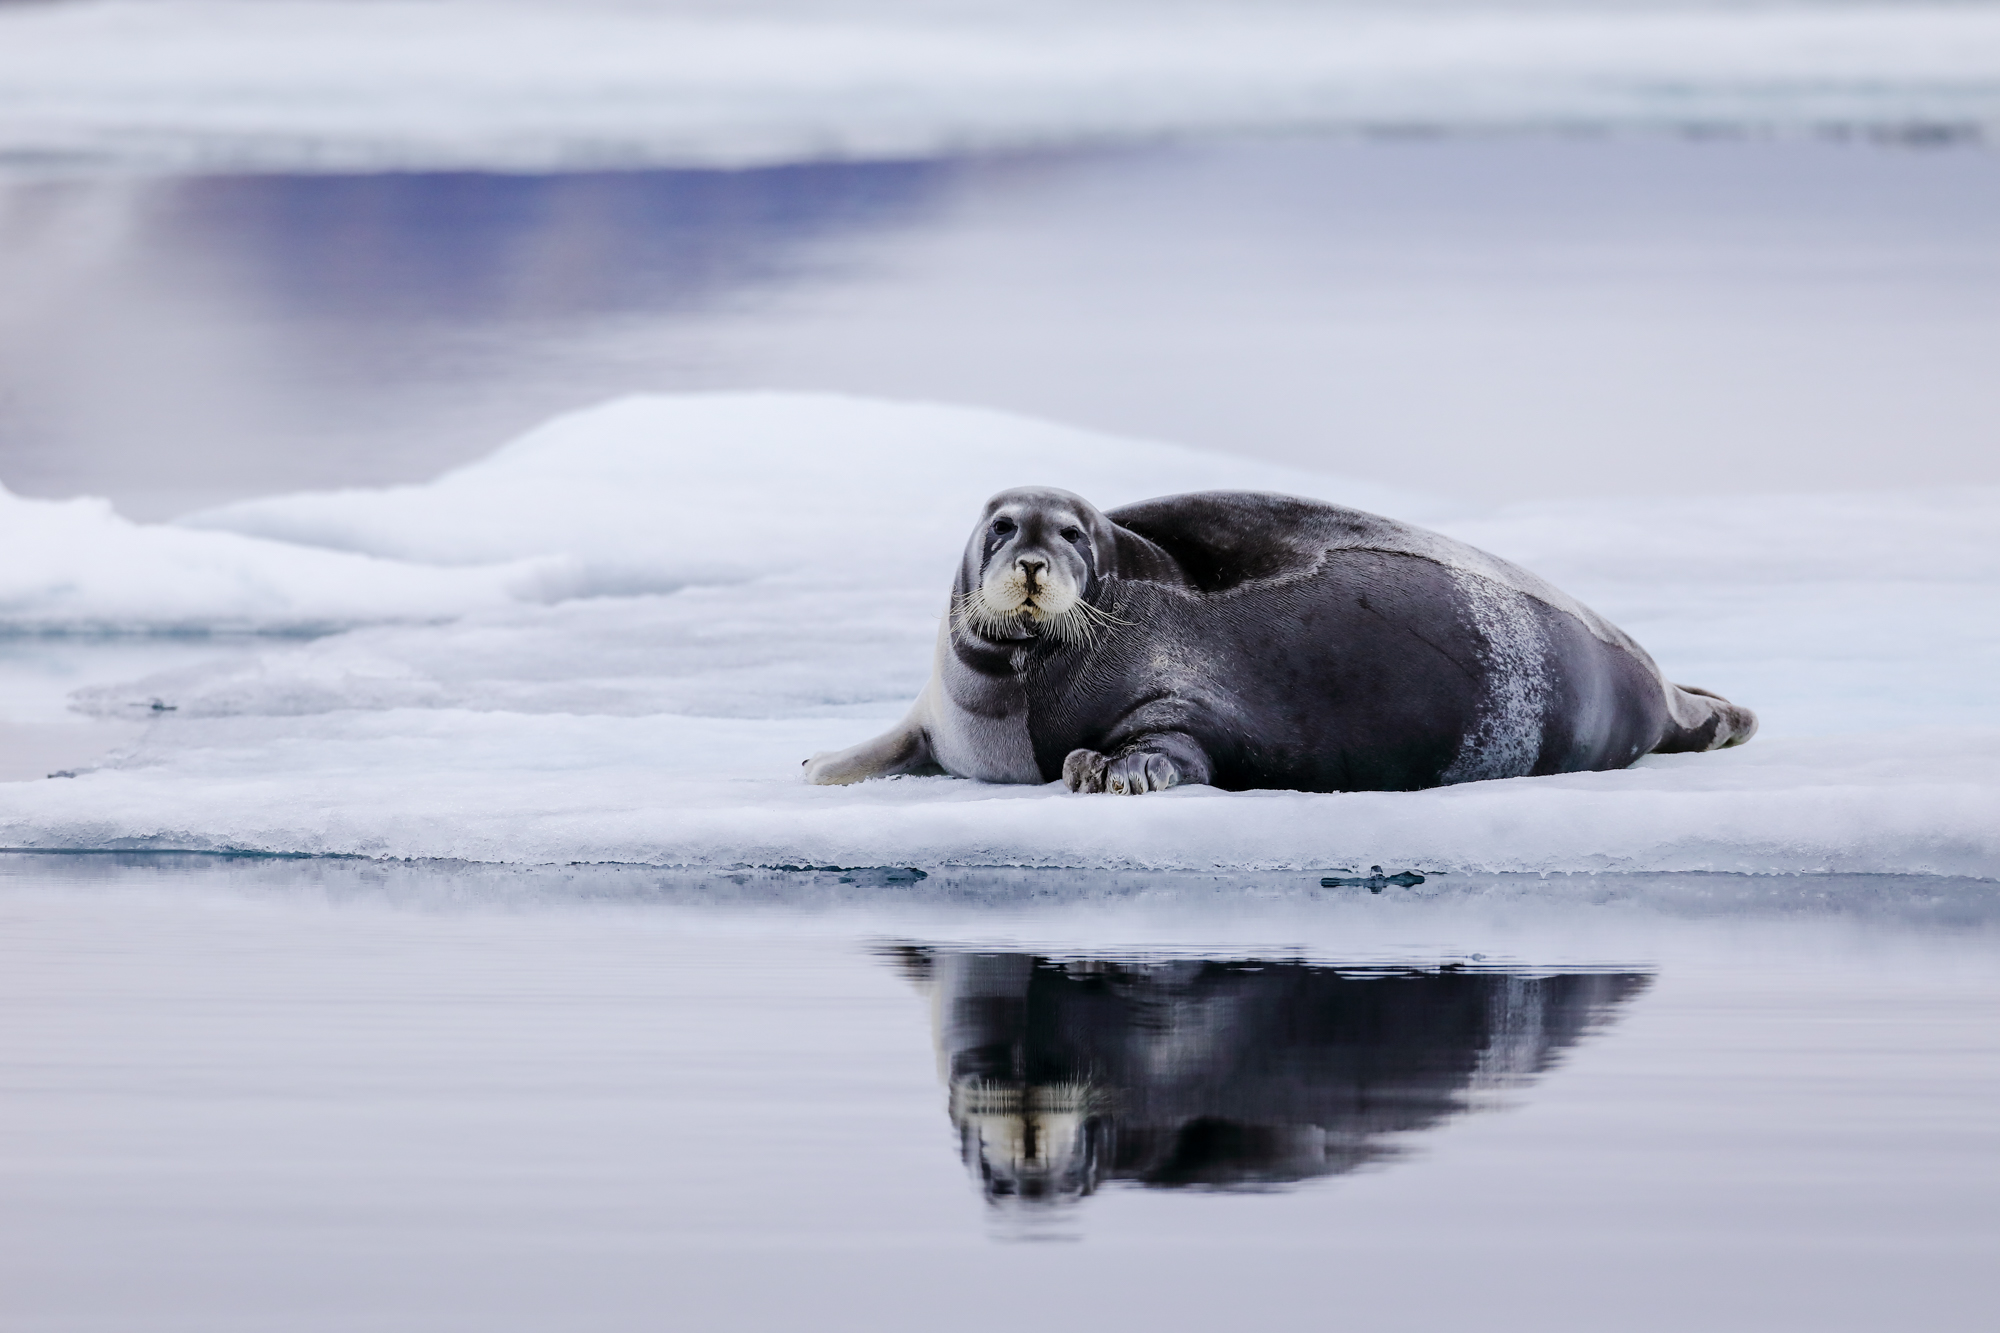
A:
x: 1064, y: 1075
x: 1247, y: 640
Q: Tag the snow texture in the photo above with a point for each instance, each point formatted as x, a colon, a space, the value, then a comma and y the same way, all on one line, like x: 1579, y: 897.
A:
x: 616, y: 638
x: 232, y: 85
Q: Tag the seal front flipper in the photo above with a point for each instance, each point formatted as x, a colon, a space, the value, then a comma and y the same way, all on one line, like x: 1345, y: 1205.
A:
x: 904, y: 749
x: 1150, y: 763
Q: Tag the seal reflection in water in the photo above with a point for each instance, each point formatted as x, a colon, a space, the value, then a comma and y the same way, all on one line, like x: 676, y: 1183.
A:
x: 1248, y: 640
x: 1065, y: 1075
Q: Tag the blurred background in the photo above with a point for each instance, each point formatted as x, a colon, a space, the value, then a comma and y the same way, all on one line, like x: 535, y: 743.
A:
x: 1493, y: 250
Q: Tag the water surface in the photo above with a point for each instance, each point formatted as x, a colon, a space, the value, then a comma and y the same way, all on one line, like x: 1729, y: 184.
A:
x: 1490, y: 317
x: 334, y: 1094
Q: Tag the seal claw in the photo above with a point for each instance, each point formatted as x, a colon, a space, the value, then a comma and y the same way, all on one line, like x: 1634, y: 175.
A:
x: 1132, y: 774
x: 1083, y: 771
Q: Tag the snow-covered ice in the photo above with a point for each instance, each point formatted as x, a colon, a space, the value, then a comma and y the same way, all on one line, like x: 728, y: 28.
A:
x: 615, y: 639
x: 319, y: 85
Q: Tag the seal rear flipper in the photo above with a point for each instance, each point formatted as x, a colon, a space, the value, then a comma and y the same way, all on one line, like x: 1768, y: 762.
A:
x: 1703, y: 720
x: 905, y: 749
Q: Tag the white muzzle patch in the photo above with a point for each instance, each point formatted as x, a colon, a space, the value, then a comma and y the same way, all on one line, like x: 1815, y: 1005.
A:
x: 1010, y: 605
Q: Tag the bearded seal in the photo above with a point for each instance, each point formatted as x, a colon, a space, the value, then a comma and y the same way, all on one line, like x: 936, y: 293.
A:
x: 1246, y: 640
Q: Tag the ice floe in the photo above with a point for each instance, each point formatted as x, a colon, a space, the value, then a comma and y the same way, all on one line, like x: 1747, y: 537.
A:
x: 615, y: 639
x: 231, y: 85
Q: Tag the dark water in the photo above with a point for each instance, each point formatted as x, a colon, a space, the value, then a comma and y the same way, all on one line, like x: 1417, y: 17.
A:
x: 1492, y: 317
x: 339, y: 1094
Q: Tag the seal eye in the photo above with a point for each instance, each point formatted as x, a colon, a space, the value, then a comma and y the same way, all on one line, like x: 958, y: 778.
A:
x: 1002, y: 526
x: 1072, y: 534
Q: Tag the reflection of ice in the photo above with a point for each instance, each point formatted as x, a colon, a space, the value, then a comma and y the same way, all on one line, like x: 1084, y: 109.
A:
x: 1498, y: 317
x: 180, y: 342
x: 1064, y: 1075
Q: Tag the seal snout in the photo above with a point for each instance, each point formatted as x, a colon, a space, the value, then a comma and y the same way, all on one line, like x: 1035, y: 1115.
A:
x: 1032, y: 569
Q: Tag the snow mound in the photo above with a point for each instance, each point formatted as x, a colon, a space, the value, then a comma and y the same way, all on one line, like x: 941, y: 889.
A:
x: 232, y: 85
x: 639, y: 496
x: 76, y: 565
x: 650, y: 493
x: 616, y: 638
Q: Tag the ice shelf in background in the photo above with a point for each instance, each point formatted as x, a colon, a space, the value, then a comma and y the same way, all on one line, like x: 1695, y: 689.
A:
x: 234, y: 85
x: 615, y: 639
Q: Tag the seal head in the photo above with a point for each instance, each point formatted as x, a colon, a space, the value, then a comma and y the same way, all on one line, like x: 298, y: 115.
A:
x: 1031, y: 570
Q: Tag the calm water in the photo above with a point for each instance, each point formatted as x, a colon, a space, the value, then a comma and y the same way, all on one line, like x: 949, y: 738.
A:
x: 1498, y: 318
x: 309, y: 1094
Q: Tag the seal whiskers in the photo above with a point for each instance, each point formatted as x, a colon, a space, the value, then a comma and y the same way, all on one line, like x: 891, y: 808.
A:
x: 1076, y: 626
x: 973, y: 613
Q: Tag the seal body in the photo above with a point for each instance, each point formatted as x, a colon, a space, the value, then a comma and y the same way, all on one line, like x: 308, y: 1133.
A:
x: 1259, y: 641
